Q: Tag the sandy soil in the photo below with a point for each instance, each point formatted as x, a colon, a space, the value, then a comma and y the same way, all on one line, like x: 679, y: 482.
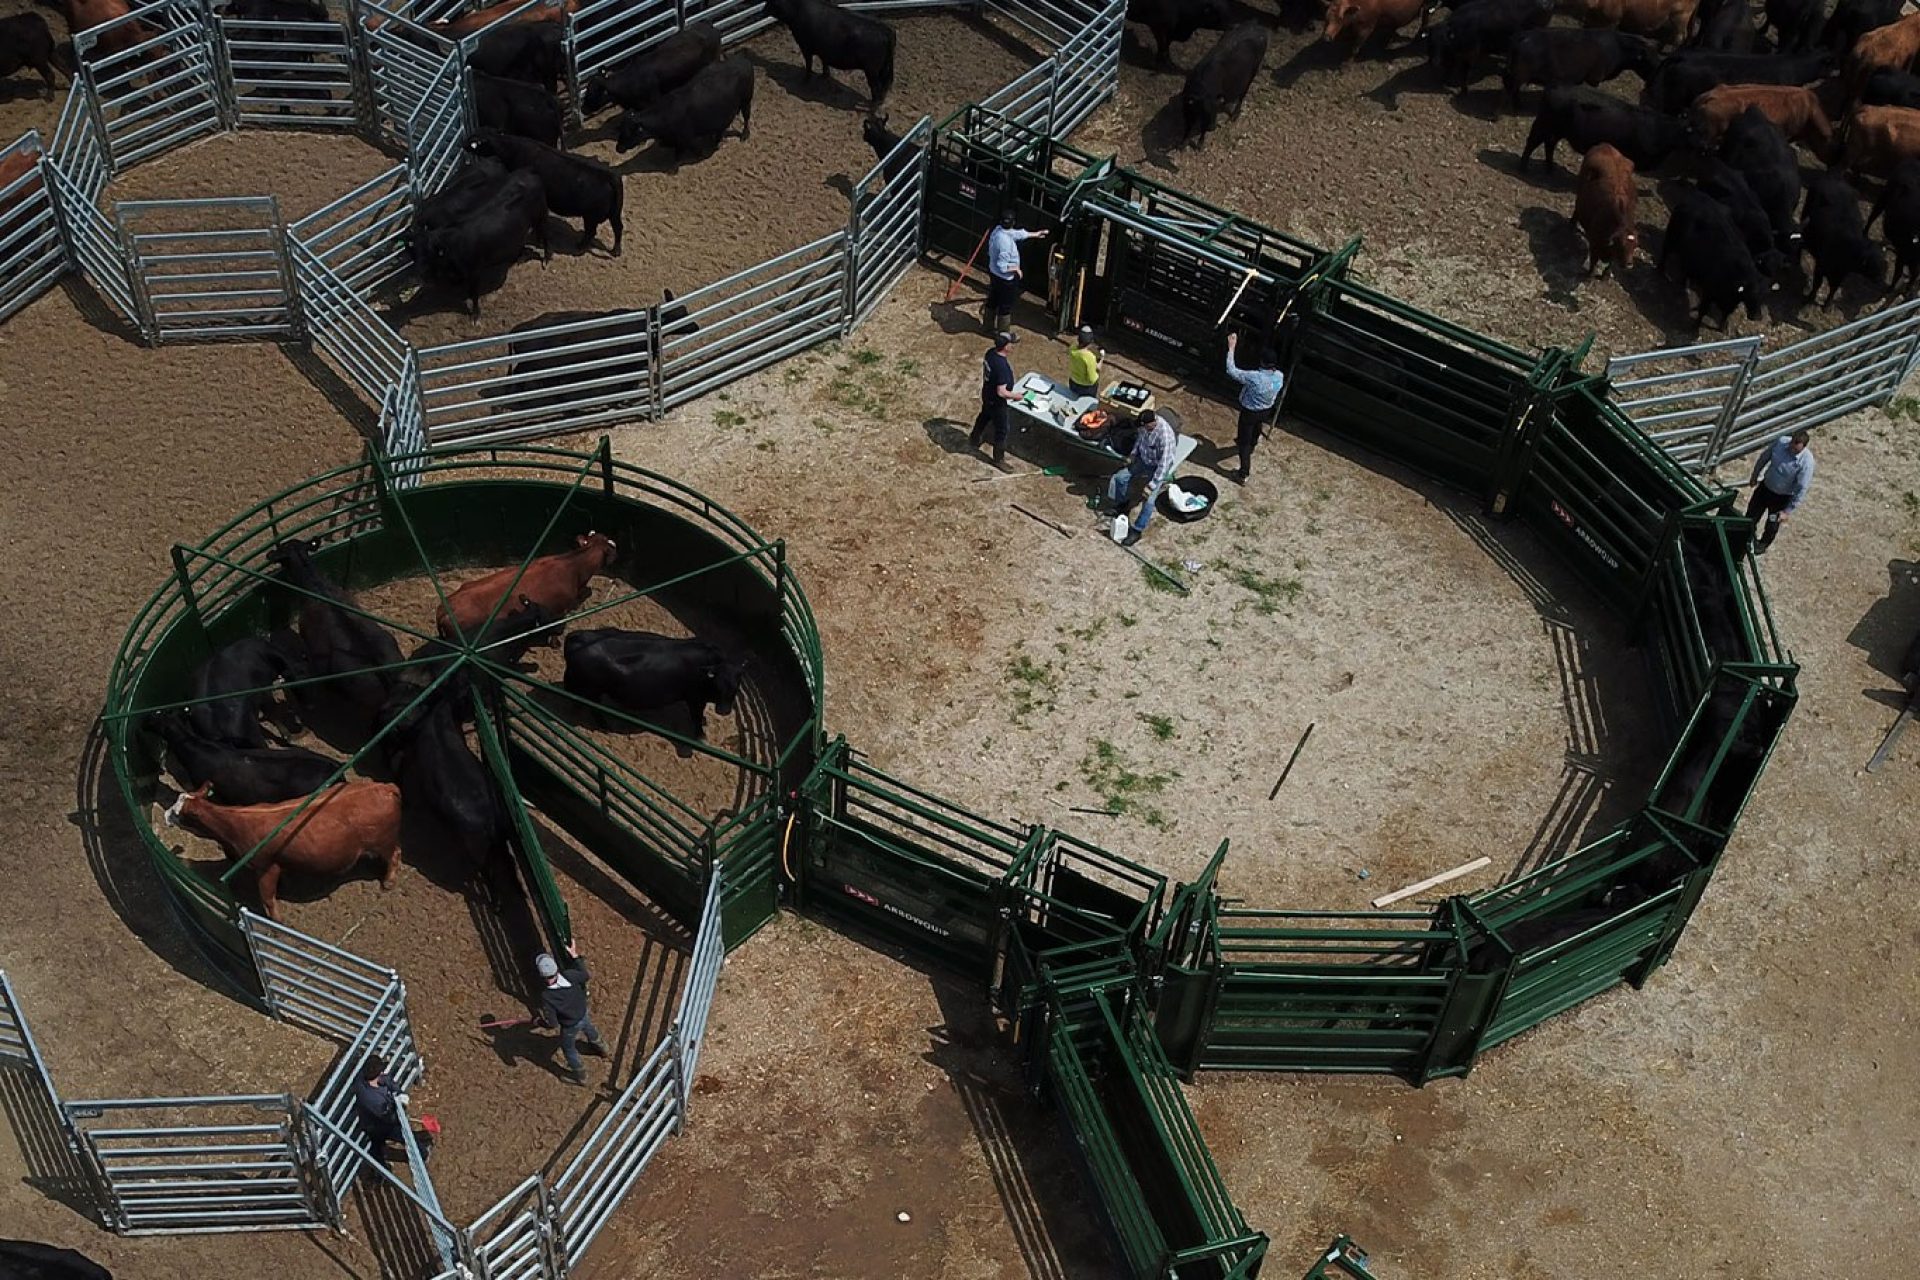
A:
x: 975, y: 650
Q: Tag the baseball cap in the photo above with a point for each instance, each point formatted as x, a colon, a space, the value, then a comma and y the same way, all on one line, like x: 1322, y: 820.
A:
x: 1005, y: 337
x: 1006, y: 218
x: 546, y: 966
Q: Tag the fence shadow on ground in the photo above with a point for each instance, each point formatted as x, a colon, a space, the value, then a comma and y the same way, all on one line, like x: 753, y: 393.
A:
x: 127, y: 879
x: 53, y: 1169
x: 94, y: 310
x: 337, y: 391
x: 396, y: 1230
x: 1046, y: 1201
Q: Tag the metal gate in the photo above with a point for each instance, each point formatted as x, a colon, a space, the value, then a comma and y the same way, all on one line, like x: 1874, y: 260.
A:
x: 206, y: 269
x: 32, y: 256
x: 403, y: 63
x: 297, y: 73
x: 314, y: 984
x: 884, y: 232
x: 437, y: 130
x: 152, y: 80
x: 1685, y: 398
x: 43, y: 1130
x: 1825, y: 377
x: 199, y: 1164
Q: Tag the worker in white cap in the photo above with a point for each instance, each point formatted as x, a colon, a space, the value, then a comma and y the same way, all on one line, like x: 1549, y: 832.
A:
x: 563, y: 1004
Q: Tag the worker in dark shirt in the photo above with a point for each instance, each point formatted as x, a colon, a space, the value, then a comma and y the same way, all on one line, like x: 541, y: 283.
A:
x: 563, y: 1004
x: 996, y: 389
x: 380, y: 1107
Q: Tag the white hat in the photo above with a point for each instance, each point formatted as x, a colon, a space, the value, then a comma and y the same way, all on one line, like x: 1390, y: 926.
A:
x: 546, y: 966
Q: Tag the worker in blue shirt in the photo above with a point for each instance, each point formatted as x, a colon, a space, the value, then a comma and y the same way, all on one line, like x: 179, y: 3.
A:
x: 1004, y: 273
x: 996, y: 389
x: 1780, y: 479
x: 1259, y: 394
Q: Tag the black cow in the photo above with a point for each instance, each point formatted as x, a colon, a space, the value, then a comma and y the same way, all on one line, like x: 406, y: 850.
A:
x: 530, y: 52
x: 241, y: 775
x: 1755, y: 146
x: 1713, y: 597
x: 548, y: 362
x: 26, y: 41
x: 466, y: 192
x: 1535, y: 934
x: 576, y: 186
x: 512, y: 106
x: 1712, y: 776
x: 1726, y: 27
x: 230, y: 689
x: 649, y: 76
x: 874, y: 132
x: 1172, y: 22
x: 1713, y: 258
x: 505, y: 641
x: 1835, y: 234
x: 1722, y: 182
x: 340, y: 643
x: 441, y: 777
x: 637, y: 671
x: 1900, y: 202
x: 1854, y: 18
x: 31, y: 1260
x: 474, y: 253
x: 1689, y: 73
x: 1889, y: 88
x: 1220, y: 80
x: 694, y: 118
x: 1586, y: 117
x: 842, y: 41
x: 294, y: 44
x: 1483, y: 29
x: 1555, y: 56
x: 1795, y: 23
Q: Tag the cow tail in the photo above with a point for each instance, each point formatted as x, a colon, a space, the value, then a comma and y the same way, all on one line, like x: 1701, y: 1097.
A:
x: 883, y: 77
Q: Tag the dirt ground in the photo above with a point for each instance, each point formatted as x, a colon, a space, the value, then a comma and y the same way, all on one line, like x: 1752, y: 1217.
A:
x: 1748, y: 1114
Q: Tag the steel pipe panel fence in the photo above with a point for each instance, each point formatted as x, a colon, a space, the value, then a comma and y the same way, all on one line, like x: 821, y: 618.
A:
x: 338, y: 1152
x: 753, y: 319
x: 594, y: 1182
x: 1684, y: 398
x: 205, y: 269
x: 361, y: 238
x: 338, y: 320
x: 313, y: 984
x: 173, y: 1165
x: 403, y: 431
x: 295, y: 73
x: 541, y: 378
x: 153, y: 79
x: 436, y: 132
x: 77, y: 172
x: 885, y: 227
x: 519, y: 1238
x: 736, y: 20
x: 1024, y: 102
x: 404, y: 63
x: 1087, y: 68
x: 32, y: 254
x: 703, y: 979
x: 605, y: 32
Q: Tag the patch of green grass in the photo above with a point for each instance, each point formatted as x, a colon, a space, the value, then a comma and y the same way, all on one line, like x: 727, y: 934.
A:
x: 1161, y: 727
x: 765, y: 446
x: 1911, y: 501
x: 906, y: 366
x: 866, y: 356
x: 1904, y: 407
x: 825, y: 426
x: 1269, y: 594
x: 792, y: 374
x: 1032, y: 685
x: 1089, y: 633
x: 1124, y: 789
x: 727, y: 418
x: 1127, y: 619
x: 1171, y: 568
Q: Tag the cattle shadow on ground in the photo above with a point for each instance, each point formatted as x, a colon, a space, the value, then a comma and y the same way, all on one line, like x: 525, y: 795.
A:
x: 1559, y: 253
x: 1417, y: 77
x: 20, y: 90
x: 840, y: 183
x: 1485, y: 105
x: 1888, y: 628
x: 1551, y: 179
x: 1318, y: 56
x: 119, y: 859
x: 1163, y: 133
x: 821, y: 89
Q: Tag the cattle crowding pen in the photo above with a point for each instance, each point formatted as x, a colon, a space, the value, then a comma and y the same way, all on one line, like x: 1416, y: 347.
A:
x: 1115, y: 984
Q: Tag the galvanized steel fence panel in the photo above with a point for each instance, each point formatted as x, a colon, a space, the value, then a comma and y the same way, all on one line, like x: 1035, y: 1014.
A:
x: 403, y: 431
x: 1087, y: 68
x: 338, y: 262
x: 298, y: 73
x: 703, y: 978
x: 437, y: 131
x: 607, y: 32
x: 361, y: 238
x: 336, y: 1147
x: 752, y: 319
x: 540, y: 379
x: 1827, y: 376
x: 519, y: 1237
x: 737, y: 20
x: 886, y: 222
x: 153, y: 77
x: 94, y: 240
x: 314, y: 984
x: 1684, y: 398
x: 598, y: 1177
x: 173, y: 1165
x: 32, y: 255
x: 404, y: 64
x: 1025, y: 100
x: 205, y: 269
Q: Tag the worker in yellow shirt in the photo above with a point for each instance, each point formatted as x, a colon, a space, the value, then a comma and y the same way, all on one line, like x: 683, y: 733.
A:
x: 1083, y: 364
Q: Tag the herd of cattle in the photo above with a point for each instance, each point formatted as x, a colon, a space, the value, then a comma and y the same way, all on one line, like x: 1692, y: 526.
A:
x: 241, y: 787
x: 1728, y: 94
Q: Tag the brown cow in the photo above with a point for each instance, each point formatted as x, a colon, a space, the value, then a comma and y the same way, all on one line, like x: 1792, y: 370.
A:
x: 557, y: 583
x: 84, y: 15
x: 480, y: 19
x: 1365, y: 18
x: 1794, y: 108
x: 1667, y: 20
x: 346, y: 822
x: 1879, y: 138
x: 1889, y: 48
x: 1605, y: 200
x: 12, y: 168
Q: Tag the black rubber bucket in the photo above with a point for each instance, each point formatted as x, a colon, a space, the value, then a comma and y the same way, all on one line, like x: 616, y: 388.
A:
x: 1199, y: 485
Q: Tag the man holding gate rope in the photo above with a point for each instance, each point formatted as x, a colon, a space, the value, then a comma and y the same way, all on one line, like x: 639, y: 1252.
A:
x: 563, y: 1004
